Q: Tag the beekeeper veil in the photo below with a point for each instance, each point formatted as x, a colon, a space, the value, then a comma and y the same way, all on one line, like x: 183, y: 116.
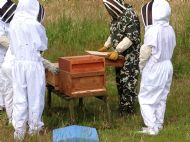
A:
x: 30, y: 9
x: 115, y: 7
x: 158, y: 32
x: 156, y: 12
x: 29, y: 14
x: 7, y: 10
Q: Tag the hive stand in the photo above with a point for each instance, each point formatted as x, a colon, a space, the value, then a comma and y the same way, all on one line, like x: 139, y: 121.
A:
x: 79, y: 77
x: 71, y: 101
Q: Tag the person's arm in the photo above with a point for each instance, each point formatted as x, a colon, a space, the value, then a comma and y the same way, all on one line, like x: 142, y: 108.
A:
x: 121, y: 47
x: 50, y: 66
x: 131, y: 30
x: 108, y: 42
x: 131, y: 27
x: 107, y: 45
x: 145, y: 53
x: 4, y: 41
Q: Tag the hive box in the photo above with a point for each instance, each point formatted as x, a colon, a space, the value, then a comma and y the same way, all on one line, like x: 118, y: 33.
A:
x: 82, y: 76
x: 52, y: 79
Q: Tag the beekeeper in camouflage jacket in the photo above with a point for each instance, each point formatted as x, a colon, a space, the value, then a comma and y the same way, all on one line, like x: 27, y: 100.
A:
x: 125, y: 40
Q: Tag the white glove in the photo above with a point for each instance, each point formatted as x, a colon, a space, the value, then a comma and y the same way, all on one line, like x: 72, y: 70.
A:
x: 123, y: 45
x: 145, y: 53
x: 50, y: 66
x: 4, y: 41
x: 108, y: 43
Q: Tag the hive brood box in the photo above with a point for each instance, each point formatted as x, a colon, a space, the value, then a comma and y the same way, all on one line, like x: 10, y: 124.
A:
x: 82, y: 76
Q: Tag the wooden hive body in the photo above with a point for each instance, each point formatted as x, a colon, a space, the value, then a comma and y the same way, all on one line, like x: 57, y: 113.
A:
x: 82, y: 76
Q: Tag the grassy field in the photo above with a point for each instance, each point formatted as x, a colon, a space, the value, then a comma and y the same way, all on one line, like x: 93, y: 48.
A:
x: 76, y: 25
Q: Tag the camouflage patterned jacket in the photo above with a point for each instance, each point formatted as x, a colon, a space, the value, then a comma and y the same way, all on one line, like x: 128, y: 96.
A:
x: 127, y: 25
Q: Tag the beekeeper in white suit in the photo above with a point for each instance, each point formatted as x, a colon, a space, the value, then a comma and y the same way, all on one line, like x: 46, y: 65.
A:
x: 7, y: 9
x: 155, y: 64
x: 2, y: 54
x: 27, y: 40
x: 8, y: 84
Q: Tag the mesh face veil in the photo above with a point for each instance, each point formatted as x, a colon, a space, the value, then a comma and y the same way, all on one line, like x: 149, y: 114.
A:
x: 146, y: 13
x: 115, y: 7
x: 7, y: 10
x: 41, y: 14
x: 156, y: 12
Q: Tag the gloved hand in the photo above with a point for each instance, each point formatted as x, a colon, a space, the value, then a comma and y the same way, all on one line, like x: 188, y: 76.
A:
x: 4, y: 41
x: 113, y: 55
x: 145, y: 53
x: 54, y: 69
x: 103, y: 49
x: 50, y: 66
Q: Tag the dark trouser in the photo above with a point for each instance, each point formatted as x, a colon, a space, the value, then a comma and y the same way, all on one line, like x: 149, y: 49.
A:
x: 126, y: 79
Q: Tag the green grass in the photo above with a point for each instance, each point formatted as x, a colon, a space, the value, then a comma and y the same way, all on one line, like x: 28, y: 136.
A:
x: 69, y: 37
x: 73, y: 38
x: 177, y: 122
x: 181, y: 53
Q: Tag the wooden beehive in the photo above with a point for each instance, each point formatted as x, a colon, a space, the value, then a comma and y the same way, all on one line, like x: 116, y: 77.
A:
x: 52, y: 79
x: 82, y: 76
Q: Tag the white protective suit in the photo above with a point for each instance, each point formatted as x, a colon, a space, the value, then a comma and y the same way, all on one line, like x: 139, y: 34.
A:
x: 7, y: 77
x: 3, y: 51
x: 158, y: 70
x: 7, y: 9
x: 27, y: 39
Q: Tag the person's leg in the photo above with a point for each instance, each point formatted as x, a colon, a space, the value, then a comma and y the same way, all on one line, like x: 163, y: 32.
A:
x: 119, y: 87
x: 148, y: 98
x: 20, y: 103
x: 7, y: 74
x: 2, y: 88
x: 161, y: 106
x: 128, y: 81
x: 8, y: 96
x: 36, y: 96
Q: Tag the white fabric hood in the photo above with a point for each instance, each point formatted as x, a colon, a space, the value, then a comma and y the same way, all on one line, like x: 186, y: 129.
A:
x: 2, y: 3
x: 156, y: 12
x: 158, y: 32
x: 26, y: 32
x: 29, y: 9
x: 161, y: 12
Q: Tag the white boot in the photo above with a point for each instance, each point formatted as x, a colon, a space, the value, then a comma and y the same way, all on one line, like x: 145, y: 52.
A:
x: 1, y: 108
x: 149, y: 131
x: 160, y: 127
x: 18, y: 136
